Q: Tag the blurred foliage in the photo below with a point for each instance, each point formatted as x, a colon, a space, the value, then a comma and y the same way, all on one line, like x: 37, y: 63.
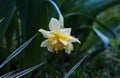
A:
x: 96, y: 23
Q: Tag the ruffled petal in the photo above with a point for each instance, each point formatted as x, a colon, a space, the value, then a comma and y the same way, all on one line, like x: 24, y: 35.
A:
x: 63, y: 41
x: 54, y: 24
x: 73, y: 39
x: 45, y: 33
x: 66, y: 31
x: 69, y: 48
x: 44, y: 44
x: 50, y: 49
x: 54, y: 42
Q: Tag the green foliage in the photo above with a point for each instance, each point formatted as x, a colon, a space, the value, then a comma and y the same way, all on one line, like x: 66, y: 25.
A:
x: 96, y: 23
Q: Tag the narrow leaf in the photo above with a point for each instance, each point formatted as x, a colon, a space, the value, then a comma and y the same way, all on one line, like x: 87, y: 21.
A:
x: 75, y: 67
x: 100, y: 5
x: 55, y: 6
x: 104, y: 38
x: 7, y: 12
x: 92, y: 18
x: 1, y: 20
x: 22, y: 73
x: 8, y: 74
x: 17, y: 51
x: 58, y: 11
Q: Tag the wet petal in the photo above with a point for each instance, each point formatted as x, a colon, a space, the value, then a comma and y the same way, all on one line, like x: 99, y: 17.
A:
x: 54, y: 42
x: 54, y: 24
x: 50, y: 49
x: 73, y: 39
x: 44, y: 44
x: 63, y: 41
x: 69, y: 48
x: 66, y: 31
x: 45, y: 33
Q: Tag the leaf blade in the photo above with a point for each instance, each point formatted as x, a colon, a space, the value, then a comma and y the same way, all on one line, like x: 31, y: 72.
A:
x: 17, y: 51
x: 75, y: 67
x: 103, y: 37
x: 8, y: 74
x: 22, y: 73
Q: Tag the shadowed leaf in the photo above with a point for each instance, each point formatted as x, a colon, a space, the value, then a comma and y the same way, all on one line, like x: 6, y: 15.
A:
x: 6, y: 12
x: 104, y: 38
x: 17, y: 51
x: 8, y: 74
x: 75, y: 67
x: 22, y: 73
x: 1, y: 20
x: 94, y: 20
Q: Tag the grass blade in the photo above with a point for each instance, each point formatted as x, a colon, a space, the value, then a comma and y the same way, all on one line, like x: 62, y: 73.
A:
x: 22, y: 73
x: 75, y: 67
x: 7, y: 12
x: 8, y: 74
x: 55, y: 6
x: 92, y: 18
x: 17, y: 51
x: 104, y: 38
x: 58, y: 11
x: 1, y: 20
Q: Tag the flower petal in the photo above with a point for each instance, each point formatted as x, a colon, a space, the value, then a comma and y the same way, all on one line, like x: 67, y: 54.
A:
x: 73, y: 39
x: 44, y: 44
x: 66, y: 31
x: 54, y: 42
x: 69, y: 48
x: 54, y: 24
x: 50, y: 49
x: 61, y: 20
x: 63, y: 41
x: 45, y: 33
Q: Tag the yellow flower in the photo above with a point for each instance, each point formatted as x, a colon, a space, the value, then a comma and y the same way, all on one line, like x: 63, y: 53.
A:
x: 58, y: 38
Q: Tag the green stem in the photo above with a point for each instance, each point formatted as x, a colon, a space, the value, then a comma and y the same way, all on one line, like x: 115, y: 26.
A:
x: 58, y: 11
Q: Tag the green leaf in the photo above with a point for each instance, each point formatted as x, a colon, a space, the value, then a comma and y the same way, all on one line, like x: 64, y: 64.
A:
x: 6, y: 12
x: 55, y: 6
x: 8, y: 74
x: 11, y: 31
x: 1, y: 20
x: 75, y: 67
x: 33, y: 16
x: 24, y: 72
x: 103, y: 37
x: 93, y: 20
x: 17, y: 51
x: 97, y: 6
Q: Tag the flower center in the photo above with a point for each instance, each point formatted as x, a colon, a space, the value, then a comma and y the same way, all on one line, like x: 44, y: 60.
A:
x: 58, y: 35
x: 55, y: 43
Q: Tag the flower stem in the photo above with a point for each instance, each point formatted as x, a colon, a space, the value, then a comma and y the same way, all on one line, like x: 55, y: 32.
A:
x: 58, y: 11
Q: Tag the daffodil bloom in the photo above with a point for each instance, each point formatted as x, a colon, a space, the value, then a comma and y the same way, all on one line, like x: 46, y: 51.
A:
x: 58, y: 38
